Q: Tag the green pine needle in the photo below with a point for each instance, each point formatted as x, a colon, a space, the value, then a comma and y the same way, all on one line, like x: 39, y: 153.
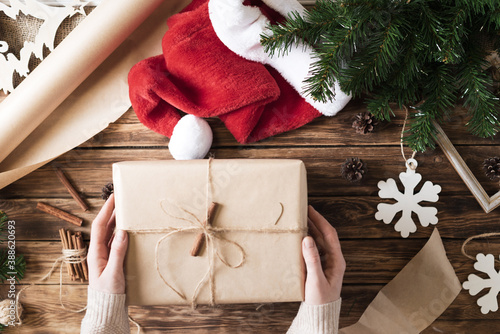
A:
x: 425, y: 53
x: 9, y: 263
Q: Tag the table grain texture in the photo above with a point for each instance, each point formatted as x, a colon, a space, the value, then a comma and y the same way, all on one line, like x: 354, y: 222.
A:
x: 374, y: 252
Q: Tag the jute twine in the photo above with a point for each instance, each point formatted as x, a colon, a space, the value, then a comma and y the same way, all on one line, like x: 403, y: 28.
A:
x: 411, y: 165
x: 213, y: 239
x: 68, y: 256
x: 484, y: 235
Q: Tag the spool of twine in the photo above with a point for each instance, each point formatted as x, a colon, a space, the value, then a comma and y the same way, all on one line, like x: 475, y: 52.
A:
x: 8, y: 313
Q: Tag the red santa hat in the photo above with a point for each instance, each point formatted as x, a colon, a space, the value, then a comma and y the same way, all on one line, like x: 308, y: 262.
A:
x: 214, y: 66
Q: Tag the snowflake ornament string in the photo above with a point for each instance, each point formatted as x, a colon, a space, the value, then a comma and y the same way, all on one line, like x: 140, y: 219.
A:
x: 408, y: 201
x: 475, y: 284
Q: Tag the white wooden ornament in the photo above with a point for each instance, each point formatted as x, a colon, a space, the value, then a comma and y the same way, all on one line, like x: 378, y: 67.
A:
x: 475, y: 284
x: 408, y: 201
x: 52, y: 17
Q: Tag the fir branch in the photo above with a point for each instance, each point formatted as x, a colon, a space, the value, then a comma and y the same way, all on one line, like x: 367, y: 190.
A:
x: 283, y: 36
x: 328, y: 62
x: 374, y: 61
x: 405, y: 52
x: 482, y: 105
x: 297, y: 29
x: 379, y: 105
x: 439, y: 91
x: 3, y: 225
x: 6, y: 267
x: 452, y: 47
x: 421, y: 130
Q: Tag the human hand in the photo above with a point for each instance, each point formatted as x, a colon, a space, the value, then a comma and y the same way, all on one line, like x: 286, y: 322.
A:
x: 107, y: 252
x: 323, y: 280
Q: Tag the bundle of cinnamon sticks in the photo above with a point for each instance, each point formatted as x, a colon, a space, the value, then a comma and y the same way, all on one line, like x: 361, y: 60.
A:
x: 79, y: 269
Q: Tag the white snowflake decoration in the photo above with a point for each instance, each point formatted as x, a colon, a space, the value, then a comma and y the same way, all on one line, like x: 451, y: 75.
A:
x: 408, y: 201
x: 485, y: 264
x: 52, y: 17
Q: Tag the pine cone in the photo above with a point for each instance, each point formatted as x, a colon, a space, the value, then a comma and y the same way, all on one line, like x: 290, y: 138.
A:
x: 491, y: 167
x: 364, y: 123
x: 107, y: 190
x: 353, y: 169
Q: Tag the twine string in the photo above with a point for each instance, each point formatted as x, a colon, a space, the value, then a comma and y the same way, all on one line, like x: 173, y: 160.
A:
x: 484, y: 235
x: 70, y: 256
x: 411, y: 165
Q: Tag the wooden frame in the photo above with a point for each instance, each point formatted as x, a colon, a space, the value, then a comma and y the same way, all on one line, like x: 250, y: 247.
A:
x: 486, y: 202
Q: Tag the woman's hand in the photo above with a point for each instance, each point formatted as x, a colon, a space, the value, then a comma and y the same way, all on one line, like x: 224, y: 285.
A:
x: 323, y: 280
x: 107, y: 252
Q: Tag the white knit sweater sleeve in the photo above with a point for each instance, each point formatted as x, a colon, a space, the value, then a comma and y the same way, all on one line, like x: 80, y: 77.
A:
x: 317, y: 319
x: 106, y: 313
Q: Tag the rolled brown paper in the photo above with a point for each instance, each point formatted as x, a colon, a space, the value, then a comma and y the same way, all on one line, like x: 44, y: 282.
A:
x: 78, y: 55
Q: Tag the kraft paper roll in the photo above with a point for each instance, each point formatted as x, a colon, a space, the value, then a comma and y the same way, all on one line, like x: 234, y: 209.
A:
x: 81, y: 86
x: 416, y: 297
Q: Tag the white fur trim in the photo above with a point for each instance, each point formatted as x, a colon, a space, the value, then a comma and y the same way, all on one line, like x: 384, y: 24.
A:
x: 191, y: 138
x: 239, y: 27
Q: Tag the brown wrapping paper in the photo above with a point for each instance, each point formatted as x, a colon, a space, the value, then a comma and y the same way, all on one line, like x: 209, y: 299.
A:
x: 416, y: 297
x: 249, y: 193
x: 81, y: 86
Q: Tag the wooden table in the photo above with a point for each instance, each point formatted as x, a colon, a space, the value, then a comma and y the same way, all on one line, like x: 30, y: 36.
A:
x: 374, y: 252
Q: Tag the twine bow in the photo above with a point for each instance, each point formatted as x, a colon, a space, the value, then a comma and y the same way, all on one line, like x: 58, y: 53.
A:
x: 212, y: 237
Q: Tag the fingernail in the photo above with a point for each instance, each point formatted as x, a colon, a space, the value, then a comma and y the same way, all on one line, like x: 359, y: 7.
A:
x: 309, y: 242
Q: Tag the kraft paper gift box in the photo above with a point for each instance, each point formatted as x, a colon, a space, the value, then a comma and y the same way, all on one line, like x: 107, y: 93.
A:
x: 251, y: 251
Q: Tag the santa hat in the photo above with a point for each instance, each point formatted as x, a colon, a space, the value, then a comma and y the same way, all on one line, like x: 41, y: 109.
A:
x: 213, y: 65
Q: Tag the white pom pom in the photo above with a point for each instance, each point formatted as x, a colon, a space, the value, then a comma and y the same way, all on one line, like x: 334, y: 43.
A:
x: 191, y: 138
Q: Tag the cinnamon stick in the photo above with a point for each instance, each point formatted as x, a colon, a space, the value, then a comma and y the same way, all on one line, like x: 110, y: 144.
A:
x: 60, y: 214
x: 64, y: 180
x: 62, y: 234
x: 200, y: 238
x: 81, y: 245
x: 70, y: 244
x: 78, y: 265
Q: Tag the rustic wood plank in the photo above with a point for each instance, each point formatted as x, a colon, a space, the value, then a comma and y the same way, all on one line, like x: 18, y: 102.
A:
x: 43, y: 314
x: 32, y: 224
x: 337, y: 130
x: 90, y: 170
x: 353, y: 217
x: 384, y: 258
x: 463, y: 327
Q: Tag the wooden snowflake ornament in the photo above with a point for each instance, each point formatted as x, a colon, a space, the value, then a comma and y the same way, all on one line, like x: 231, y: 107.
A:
x: 475, y: 284
x: 408, y: 201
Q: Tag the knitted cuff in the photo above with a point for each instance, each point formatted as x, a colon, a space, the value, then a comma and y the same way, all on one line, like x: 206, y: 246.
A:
x: 317, y: 319
x: 106, y: 313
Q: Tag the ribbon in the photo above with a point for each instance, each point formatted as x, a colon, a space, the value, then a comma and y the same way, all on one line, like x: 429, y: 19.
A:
x: 213, y: 239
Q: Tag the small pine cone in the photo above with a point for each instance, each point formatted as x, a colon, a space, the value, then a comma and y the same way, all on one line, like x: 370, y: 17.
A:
x: 107, y: 190
x: 491, y: 167
x: 353, y: 169
x: 364, y: 123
